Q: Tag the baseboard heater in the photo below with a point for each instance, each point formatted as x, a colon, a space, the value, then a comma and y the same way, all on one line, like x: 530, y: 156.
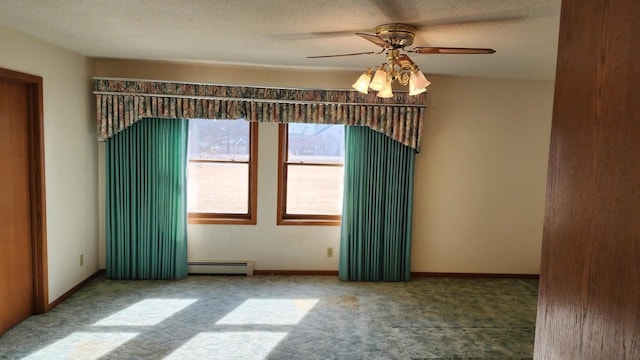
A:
x: 221, y: 267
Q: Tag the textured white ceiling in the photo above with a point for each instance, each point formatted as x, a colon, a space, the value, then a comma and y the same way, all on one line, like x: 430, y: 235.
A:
x: 282, y: 33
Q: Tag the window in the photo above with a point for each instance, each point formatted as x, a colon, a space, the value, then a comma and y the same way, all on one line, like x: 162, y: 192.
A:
x: 310, y: 174
x: 222, y: 176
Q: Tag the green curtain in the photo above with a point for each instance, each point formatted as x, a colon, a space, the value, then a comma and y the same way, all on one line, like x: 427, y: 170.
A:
x: 375, y: 239
x: 146, y: 199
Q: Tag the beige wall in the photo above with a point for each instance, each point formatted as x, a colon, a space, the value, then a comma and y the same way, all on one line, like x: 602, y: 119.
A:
x: 70, y: 155
x: 480, y: 178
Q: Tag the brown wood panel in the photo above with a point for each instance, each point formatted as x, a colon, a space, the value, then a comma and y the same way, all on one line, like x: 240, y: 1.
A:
x: 16, y: 267
x: 21, y: 97
x: 589, y: 300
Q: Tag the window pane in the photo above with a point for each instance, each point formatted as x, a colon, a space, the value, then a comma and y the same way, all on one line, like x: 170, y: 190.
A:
x: 314, y: 190
x: 218, y: 188
x: 316, y: 143
x: 219, y: 140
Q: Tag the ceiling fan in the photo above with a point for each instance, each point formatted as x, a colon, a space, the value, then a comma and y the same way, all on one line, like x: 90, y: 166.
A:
x: 393, y: 38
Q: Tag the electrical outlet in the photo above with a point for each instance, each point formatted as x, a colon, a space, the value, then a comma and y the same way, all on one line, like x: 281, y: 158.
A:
x: 329, y: 252
x: 81, y: 259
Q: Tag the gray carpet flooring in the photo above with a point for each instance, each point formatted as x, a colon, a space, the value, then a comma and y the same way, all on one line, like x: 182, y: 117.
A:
x: 284, y: 317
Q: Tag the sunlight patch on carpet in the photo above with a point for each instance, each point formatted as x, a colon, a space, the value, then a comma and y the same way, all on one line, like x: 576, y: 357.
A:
x: 147, y: 312
x: 269, y: 312
x: 245, y: 345
x: 83, y: 345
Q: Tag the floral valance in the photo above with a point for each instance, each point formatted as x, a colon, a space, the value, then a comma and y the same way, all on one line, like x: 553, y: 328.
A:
x: 122, y: 102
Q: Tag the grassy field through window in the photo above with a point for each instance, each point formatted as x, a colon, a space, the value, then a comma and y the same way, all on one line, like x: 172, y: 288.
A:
x: 221, y: 188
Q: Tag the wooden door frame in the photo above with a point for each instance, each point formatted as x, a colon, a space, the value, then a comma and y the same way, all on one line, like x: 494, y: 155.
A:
x: 36, y: 186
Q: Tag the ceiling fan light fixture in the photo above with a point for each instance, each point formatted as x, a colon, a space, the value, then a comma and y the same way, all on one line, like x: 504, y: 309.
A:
x: 362, y: 84
x: 379, y: 80
x: 418, y: 82
x: 398, y: 67
x: 415, y: 91
x: 386, y: 91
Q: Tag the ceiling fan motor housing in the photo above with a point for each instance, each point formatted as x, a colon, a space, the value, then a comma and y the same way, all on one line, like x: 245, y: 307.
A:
x: 396, y: 34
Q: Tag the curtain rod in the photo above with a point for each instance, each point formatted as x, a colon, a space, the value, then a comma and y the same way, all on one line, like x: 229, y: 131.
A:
x: 303, y: 102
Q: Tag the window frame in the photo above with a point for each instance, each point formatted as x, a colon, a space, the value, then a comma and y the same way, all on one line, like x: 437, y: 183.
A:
x: 249, y: 218
x: 283, y: 217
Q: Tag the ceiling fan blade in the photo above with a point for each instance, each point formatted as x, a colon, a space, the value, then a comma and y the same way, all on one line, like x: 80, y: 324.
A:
x: 405, y: 61
x: 450, y: 50
x: 338, y: 55
x: 376, y: 40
